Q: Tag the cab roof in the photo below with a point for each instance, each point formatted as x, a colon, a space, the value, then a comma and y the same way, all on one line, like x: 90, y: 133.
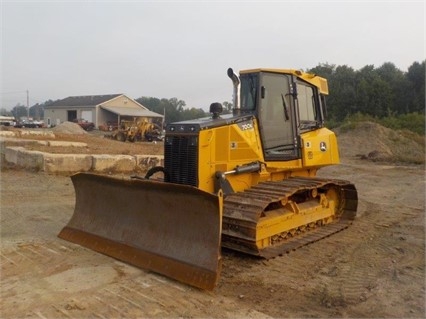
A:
x: 319, y: 82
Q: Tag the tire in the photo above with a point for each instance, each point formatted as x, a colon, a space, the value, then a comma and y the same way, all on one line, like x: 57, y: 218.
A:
x: 156, y: 169
x: 121, y: 137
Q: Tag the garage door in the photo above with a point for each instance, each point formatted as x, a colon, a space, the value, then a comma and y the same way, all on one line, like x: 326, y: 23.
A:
x: 87, y: 115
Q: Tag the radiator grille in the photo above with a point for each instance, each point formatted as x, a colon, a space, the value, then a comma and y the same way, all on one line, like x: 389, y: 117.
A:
x: 181, y: 159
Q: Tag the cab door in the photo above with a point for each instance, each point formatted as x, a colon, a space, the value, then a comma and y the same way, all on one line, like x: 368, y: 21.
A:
x: 277, y: 117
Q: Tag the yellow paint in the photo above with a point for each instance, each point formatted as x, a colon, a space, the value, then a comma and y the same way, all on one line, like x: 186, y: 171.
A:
x: 291, y: 217
x: 224, y: 148
x: 313, y: 155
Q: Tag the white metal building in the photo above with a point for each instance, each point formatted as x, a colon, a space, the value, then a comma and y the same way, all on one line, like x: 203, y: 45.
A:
x: 100, y: 109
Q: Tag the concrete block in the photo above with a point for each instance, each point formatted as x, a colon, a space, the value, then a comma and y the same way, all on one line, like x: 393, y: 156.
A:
x: 113, y: 163
x: 145, y: 162
x: 11, y: 154
x: 2, y: 152
x: 67, y: 163
x: 7, y: 133
x: 37, y: 133
x: 66, y: 144
x: 31, y: 159
x: 20, y: 157
x: 44, y: 143
x: 2, y: 146
x: 12, y: 141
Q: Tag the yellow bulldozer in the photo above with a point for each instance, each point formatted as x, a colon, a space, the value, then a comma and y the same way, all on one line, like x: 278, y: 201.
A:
x: 246, y: 181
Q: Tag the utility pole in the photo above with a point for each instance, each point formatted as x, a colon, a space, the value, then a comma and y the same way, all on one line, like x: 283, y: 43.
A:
x: 163, y: 121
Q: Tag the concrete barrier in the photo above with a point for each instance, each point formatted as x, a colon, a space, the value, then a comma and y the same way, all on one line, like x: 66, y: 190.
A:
x: 12, y: 141
x: 67, y: 163
x: 30, y: 133
x: 74, y: 163
x: 31, y: 159
x: 2, y: 152
x: 20, y: 157
x: 11, y: 154
x: 25, y: 142
x: 7, y: 133
x: 113, y: 163
x: 145, y: 162
x: 66, y: 144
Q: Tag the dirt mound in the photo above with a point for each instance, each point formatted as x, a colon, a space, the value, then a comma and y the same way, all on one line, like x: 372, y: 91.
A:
x: 69, y: 128
x: 368, y: 140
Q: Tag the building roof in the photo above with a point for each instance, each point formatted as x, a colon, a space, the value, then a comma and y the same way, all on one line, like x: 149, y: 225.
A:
x: 86, y: 100
x: 131, y: 111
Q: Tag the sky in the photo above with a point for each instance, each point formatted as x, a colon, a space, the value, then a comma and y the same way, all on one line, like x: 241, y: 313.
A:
x: 182, y: 49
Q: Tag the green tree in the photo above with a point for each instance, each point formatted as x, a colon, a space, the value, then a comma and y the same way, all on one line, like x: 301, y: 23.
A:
x: 173, y: 108
x: 227, y: 107
x: 5, y: 112
x: 398, y: 85
x: 416, y: 78
x: 37, y: 111
x: 343, y: 85
x: 192, y: 113
x: 19, y: 111
x: 325, y: 70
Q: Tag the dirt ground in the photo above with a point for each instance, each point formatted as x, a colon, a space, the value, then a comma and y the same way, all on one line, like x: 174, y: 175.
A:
x: 374, y: 269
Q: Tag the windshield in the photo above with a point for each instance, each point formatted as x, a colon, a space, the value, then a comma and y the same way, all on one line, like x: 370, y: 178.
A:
x: 275, y: 113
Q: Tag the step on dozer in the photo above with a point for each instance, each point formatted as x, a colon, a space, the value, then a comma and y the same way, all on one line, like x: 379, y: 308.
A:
x: 171, y: 229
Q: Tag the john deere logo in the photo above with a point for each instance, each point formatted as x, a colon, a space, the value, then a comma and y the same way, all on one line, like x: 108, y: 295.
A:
x: 323, y: 147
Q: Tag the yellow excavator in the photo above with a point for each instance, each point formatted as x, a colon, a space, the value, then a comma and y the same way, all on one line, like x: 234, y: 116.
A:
x: 246, y: 181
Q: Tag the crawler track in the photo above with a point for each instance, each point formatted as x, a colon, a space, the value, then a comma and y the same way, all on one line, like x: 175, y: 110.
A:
x: 296, y: 197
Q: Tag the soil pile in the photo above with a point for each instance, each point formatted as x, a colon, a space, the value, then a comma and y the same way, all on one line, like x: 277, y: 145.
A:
x: 372, y: 141
x: 69, y: 128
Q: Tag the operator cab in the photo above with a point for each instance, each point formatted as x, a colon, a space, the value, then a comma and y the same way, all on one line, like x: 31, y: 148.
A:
x: 286, y: 106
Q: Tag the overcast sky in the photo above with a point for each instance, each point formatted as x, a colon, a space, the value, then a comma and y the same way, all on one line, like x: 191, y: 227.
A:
x: 182, y: 49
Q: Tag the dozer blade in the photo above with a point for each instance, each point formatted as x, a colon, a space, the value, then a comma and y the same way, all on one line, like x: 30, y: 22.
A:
x: 171, y: 229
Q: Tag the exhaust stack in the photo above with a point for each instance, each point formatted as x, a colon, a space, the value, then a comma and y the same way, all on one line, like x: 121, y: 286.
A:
x: 236, y: 82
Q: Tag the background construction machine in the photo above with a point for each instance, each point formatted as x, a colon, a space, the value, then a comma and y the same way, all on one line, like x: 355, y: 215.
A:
x: 136, y: 130
x: 246, y: 181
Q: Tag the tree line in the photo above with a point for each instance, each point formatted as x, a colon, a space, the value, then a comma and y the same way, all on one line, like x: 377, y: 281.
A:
x: 173, y: 109
x: 379, y: 92
x: 382, y: 92
x: 385, y: 94
x: 19, y: 111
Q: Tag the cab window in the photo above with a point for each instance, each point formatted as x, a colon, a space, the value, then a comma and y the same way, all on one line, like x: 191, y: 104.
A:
x: 249, y: 85
x: 306, y: 99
